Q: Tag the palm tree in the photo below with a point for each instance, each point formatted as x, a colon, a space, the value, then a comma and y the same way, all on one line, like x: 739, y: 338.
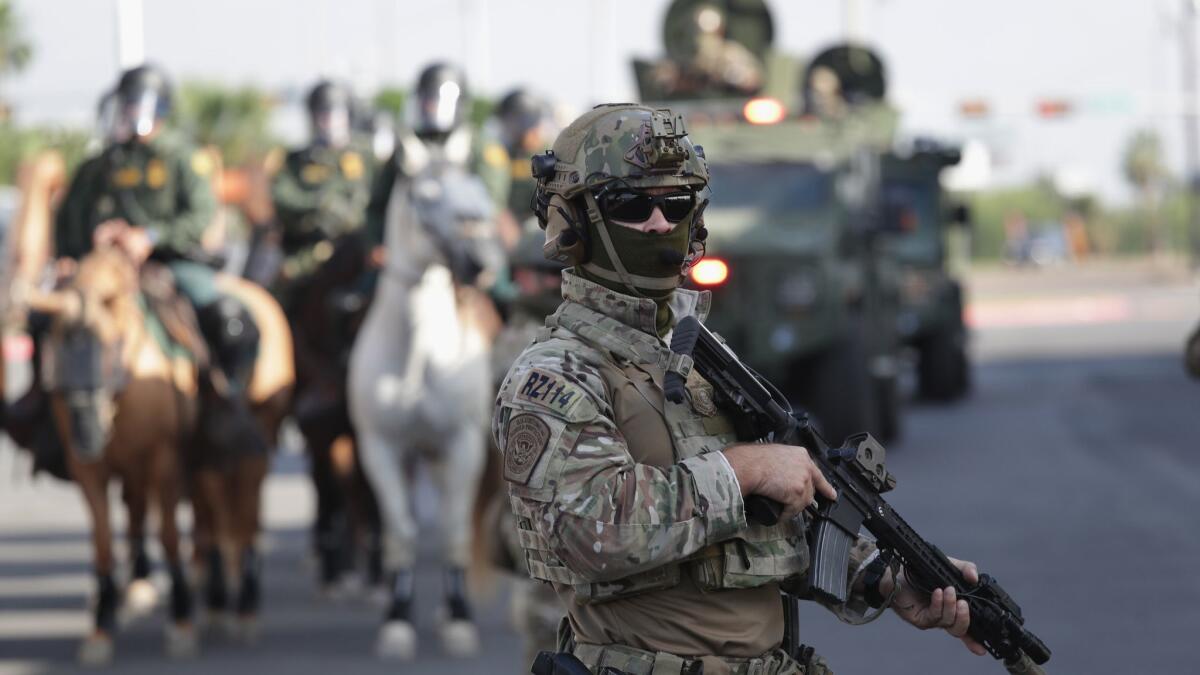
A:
x: 1145, y: 169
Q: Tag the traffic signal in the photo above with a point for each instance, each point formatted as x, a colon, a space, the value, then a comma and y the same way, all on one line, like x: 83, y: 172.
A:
x: 1053, y: 108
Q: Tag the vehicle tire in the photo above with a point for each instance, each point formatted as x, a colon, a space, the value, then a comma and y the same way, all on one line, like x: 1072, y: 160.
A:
x: 836, y: 388
x: 1191, y: 354
x: 943, y: 371
x: 887, y: 414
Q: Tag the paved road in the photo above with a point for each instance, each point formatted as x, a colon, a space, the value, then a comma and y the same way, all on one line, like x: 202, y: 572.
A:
x: 1071, y: 474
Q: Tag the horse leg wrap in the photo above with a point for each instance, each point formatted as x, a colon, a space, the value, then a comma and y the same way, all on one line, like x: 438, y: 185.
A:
x: 181, y: 594
x: 329, y: 546
x: 141, y: 561
x: 106, y: 603
x: 374, y: 560
x: 456, y: 594
x: 402, y: 597
x: 216, y: 593
x: 250, y: 594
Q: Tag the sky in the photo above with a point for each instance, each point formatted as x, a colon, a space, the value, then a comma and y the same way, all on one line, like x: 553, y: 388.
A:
x: 1117, y: 61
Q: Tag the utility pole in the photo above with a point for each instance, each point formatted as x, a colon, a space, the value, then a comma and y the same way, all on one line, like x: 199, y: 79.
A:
x: 131, y: 35
x: 1191, y: 132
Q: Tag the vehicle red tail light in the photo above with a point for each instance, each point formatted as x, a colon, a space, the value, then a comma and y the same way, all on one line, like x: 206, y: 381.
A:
x: 710, y: 272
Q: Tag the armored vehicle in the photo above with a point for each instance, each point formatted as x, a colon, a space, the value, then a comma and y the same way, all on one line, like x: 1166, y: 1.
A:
x: 930, y: 318
x: 797, y: 255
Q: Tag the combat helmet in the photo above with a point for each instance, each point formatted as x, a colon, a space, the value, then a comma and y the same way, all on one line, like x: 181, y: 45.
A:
x: 143, y: 97
x: 613, y: 148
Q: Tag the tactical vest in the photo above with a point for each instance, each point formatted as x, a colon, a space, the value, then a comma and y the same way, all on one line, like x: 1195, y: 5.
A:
x: 760, y: 555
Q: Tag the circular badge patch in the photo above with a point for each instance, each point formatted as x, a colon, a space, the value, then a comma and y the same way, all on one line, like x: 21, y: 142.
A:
x: 528, y: 437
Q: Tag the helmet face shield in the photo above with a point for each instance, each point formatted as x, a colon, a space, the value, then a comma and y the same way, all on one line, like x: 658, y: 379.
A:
x: 108, y: 128
x: 440, y: 111
x: 331, y: 126
x: 137, y: 116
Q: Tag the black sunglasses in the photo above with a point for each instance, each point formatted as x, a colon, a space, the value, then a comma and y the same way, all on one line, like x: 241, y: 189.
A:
x: 633, y: 206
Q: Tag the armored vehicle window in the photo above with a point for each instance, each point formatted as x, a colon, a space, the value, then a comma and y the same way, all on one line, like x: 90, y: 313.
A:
x: 914, y: 204
x: 772, y: 187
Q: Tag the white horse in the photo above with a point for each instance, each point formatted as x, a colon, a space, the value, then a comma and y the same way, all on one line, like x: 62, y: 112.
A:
x: 420, y: 386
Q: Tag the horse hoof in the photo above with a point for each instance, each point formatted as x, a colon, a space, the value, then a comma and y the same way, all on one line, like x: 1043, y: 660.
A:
x: 96, y: 650
x: 332, y: 592
x: 181, y: 642
x: 460, y: 639
x: 351, y: 586
x: 248, y: 630
x: 218, y: 624
x: 397, y: 641
x: 141, y: 597
x: 379, y: 596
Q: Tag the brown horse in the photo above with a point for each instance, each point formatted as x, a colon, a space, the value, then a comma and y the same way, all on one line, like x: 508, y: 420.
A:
x: 123, y: 406
x: 150, y: 442
x: 226, y: 494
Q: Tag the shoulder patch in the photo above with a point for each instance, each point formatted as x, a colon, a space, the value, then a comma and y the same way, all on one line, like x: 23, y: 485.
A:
x: 202, y: 162
x: 494, y: 154
x: 352, y: 165
x: 527, y: 439
x: 551, y: 391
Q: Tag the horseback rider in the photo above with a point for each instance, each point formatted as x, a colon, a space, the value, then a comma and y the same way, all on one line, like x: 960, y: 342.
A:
x: 320, y: 194
x: 438, y: 131
x: 322, y: 189
x: 151, y: 195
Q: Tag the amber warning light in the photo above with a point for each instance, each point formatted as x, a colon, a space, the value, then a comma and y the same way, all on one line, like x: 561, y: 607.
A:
x: 710, y: 272
x: 763, y: 111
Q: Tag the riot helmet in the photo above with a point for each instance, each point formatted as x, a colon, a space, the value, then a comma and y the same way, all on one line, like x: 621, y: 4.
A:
x: 440, y: 101
x: 329, y: 110
x: 519, y: 114
x: 601, y: 169
x: 143, y: 98
x: 107, y: 128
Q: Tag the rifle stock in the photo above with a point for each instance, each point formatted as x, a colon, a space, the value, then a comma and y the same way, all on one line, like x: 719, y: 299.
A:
x: 858, y: 472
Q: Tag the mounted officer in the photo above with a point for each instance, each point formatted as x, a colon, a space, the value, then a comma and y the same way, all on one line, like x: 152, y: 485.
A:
x: 151, y: 195
x: 322, y: 189
x: 437, y: 130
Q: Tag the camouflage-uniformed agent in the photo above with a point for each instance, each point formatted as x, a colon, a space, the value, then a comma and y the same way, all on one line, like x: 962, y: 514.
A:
x: 438, y: 129
x: 321, y: 191
x: 535, y: 609
x: 629, y: 505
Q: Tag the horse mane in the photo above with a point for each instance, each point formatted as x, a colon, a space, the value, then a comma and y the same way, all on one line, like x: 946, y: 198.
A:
x: 107, y: 281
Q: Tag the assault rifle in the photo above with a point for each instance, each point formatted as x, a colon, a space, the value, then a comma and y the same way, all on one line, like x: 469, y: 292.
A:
x: 858, y: 473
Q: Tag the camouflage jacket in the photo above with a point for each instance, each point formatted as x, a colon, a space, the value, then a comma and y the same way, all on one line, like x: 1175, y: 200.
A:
x: 619, y: 493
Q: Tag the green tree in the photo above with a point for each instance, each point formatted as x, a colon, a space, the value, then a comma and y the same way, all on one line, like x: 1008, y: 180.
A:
x: 15, y: 51
x: 1145, y: 169
x: 235, y: 120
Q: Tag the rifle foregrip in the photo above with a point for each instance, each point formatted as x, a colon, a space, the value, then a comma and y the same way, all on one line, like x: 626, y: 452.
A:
x: 683, y: 341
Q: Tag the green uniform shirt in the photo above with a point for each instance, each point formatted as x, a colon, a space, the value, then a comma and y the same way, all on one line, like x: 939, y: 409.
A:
x: 162, y: 185
x: 319, y: 194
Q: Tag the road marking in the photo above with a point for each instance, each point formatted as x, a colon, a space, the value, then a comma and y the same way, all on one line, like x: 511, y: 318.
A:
x: 1096, y: 309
